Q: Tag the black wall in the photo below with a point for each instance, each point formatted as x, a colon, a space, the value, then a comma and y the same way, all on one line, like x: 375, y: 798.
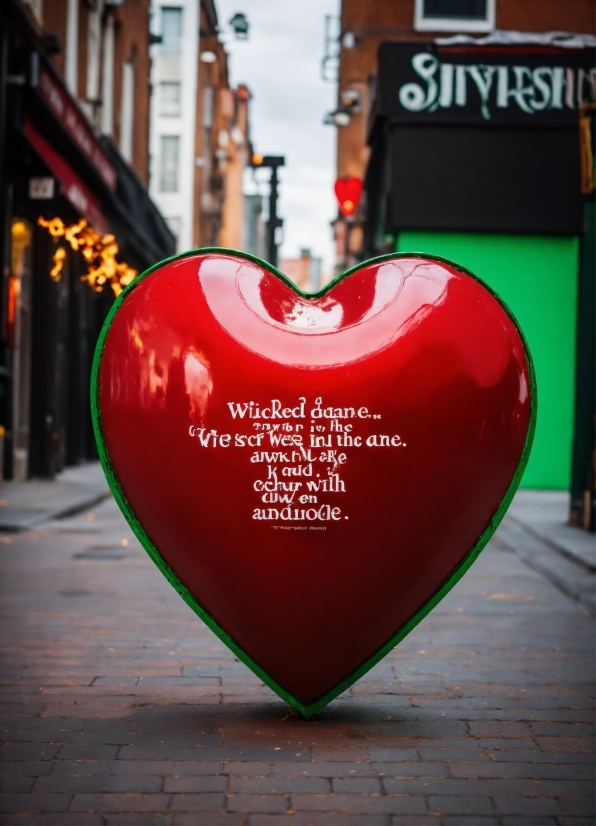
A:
x: 475, y: 179
x: 67, y: 318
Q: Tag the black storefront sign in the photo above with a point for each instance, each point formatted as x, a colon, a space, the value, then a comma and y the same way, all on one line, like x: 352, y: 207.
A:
x: 524, y: 86
x: 477, y: 139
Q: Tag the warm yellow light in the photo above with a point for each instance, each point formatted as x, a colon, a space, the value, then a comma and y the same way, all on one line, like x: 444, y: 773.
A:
x: 99, y: 251
x: 257, y: 160
x: 58, y: 259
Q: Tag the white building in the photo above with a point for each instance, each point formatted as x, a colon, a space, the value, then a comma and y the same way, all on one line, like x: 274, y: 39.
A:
x: 173, y: 114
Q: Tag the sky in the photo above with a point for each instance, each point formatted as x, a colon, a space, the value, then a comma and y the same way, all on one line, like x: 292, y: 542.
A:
x: 281, y: 65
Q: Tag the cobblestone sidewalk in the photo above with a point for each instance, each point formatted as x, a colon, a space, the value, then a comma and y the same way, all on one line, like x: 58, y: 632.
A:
x: 120, y: 707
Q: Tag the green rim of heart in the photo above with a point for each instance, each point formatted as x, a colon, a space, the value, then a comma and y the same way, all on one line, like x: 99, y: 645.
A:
x: 305, y: 709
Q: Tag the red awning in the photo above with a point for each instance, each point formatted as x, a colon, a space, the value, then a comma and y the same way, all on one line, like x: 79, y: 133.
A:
x: 63, y: 106
x: 71, y: 184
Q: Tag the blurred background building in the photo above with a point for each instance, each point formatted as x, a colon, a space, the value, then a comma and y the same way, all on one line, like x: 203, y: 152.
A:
x: 174, y: 80
x: 254, y: 238
x: 199, y: 129
x: 471, y: 125
x: 102, y: 104
x: 304, y: 271
x: 74, y: 126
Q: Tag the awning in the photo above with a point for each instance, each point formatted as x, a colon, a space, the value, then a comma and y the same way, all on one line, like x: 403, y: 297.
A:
x: 74, y: 123
x: 71, y: 184
x: 101, y: 186
x: 94, y: 177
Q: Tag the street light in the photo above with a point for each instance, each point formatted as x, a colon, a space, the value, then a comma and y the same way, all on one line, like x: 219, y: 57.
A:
x: 240, y: 26
x: 340, y: 117
x: 274, y: 224
x: 350, y: 100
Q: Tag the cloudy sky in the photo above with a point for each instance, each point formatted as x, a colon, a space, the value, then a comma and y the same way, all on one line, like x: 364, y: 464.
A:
x: 280, y: 63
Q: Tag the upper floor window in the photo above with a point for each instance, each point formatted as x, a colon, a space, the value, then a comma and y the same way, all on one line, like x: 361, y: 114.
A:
x: 168, y: 166
x: 127, y: 110
x: 455, y: 15
x: 171, y: 30
x: 170, y: 101
x: 208, y: 106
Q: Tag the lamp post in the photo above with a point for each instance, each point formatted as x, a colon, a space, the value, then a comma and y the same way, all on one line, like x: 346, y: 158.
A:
x: 240, y: 26
x: 272, y: 162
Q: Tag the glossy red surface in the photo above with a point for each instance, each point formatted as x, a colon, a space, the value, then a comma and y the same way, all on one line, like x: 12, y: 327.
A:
x: 413, y: 358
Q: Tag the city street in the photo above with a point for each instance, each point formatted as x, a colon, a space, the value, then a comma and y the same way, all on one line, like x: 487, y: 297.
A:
x: 120, y: 707
x: 288, y: 269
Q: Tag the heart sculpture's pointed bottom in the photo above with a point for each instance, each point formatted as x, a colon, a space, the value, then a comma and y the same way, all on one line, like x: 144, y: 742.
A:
x: 312, y: 473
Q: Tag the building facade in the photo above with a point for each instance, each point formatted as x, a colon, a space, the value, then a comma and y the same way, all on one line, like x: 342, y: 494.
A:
x: 364, y: 26
x: 174, y: 79
x: 77, y: 221
x: 254, y: 238
x: 304, y: 271
x: 466, y: 132
x: 199, y: 128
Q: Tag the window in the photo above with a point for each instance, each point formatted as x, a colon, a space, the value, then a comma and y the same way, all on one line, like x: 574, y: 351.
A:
x: 107, y: 82
x: 455, y: 15
x: 208, y: 106
x: 171, y: 30
x: 168, y: 171
x: 169, y: 103
x: 127, y: 111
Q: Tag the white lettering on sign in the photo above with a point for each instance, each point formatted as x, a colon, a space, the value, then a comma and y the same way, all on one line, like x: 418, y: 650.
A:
x: 41, y: 188
x: 300, y: 451
x: 530, y: 90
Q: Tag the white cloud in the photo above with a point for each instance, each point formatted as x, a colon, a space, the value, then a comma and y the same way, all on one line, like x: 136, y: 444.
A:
x: 281, y: 65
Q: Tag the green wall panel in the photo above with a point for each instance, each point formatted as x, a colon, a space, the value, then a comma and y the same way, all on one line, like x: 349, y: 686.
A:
x: 537, y: 277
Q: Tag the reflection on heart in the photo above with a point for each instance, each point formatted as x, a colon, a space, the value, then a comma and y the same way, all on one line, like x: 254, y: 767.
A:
x: 312, y: 474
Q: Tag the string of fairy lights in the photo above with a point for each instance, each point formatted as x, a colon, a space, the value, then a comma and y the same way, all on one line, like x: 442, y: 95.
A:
x: 99, y: 251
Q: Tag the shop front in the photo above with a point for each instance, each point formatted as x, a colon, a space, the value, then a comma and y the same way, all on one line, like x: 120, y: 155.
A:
x: 475, y: 157
x: 77, y: 226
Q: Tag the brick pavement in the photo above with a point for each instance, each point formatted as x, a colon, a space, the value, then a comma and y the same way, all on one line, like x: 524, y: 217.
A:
x: 120, y: 707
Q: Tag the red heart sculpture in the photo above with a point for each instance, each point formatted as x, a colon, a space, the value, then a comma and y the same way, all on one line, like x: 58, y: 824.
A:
x: 348, y: 192
x: 312, y: 473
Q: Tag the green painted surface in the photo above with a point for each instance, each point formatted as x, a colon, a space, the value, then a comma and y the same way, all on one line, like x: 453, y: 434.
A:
x: 537, y: 277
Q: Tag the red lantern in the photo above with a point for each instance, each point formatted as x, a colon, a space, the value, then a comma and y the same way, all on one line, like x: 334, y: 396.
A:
x: 348, y: 192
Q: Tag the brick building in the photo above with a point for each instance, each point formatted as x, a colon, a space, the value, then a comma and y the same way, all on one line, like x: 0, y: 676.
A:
x: 77, y: 220
x: 199, y: 131
x: 364, y: 26
x: 464, y: 120
x: 104, y: 60
x: 304, y: 271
